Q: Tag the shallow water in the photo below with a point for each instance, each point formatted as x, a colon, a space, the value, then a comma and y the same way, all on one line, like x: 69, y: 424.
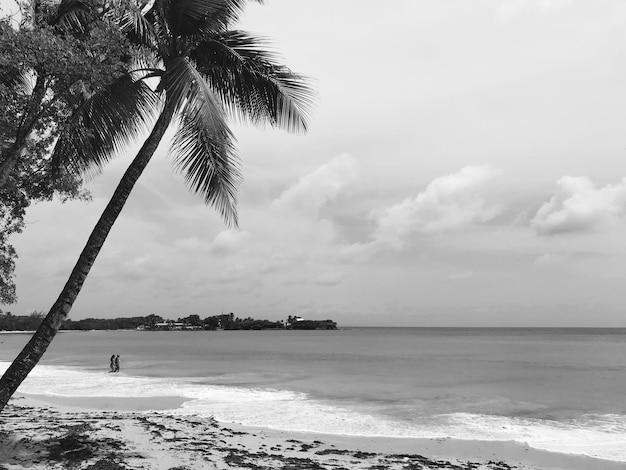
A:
x: 556, y: 389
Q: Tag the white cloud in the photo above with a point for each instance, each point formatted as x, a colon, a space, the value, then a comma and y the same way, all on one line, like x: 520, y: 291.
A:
x: 554, y: 4
x: 359, y: 252
x: 459, y: 276
x: 231, y: 274
x: 577, y: 206
x: 190, y: 244
x: 325, y: 279
x: 314, y: 190
x: 330, y: 278
x: 288, y: 240
x: 550, y: 259
x: 135, y: 268
x: 225, y: 242
x: 448, y: 203
x: 229, y: 241
x: 510, y: 9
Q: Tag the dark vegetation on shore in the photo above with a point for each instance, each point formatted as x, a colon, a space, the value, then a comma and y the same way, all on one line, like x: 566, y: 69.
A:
x: 10, y: 322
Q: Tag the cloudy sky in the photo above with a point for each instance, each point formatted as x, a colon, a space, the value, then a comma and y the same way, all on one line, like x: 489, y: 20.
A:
x: 466, y: 166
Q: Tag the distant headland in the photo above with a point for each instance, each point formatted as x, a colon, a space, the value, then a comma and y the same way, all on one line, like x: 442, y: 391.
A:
x: 10, y: 322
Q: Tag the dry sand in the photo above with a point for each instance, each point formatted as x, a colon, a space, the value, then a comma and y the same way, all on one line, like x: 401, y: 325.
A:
x: 115, y: 434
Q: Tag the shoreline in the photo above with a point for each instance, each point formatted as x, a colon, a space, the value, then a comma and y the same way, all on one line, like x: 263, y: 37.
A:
x: 149, y: 433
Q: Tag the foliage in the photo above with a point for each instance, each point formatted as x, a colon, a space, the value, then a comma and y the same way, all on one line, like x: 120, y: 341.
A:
x: 49, y: 66
x: 121, y: 323
x: 191, y: 88
x: 230, y: 322
x: 208, y: 73
x: 9, y: 322
x: 27, y: 185
x: 313, y: 325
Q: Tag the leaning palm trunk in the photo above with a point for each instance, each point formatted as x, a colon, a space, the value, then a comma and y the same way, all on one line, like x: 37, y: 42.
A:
x: 204, y: 71
x: 36, y: 347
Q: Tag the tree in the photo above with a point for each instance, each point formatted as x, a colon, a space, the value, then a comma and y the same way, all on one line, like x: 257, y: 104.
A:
x: 204, y: 71
x: 61, y: 54
x: 193, y: 320
x: 152, y: 320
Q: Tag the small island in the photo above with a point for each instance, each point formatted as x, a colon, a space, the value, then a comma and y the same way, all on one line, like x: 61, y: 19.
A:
x: 10, y: 322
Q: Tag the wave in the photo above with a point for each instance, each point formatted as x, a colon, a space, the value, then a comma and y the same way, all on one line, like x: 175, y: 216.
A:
x: 601, y: 436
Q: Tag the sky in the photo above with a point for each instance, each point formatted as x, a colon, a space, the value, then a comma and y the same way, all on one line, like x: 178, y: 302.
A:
x: 465, y: 166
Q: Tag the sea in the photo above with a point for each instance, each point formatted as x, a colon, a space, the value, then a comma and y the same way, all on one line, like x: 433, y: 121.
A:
x: 556, y: 389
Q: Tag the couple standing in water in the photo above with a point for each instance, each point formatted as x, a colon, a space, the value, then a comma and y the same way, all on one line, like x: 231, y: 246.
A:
x: 115, y: 363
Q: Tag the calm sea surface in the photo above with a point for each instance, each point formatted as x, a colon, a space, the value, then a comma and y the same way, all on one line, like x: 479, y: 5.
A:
x: 555, y: 389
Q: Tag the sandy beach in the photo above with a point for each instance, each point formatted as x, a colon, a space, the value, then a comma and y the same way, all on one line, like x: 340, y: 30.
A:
x: 145, y: 434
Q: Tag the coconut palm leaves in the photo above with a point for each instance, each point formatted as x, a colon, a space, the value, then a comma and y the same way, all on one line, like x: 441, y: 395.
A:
x: 104, y: 124
x: 204, y: 73
x: 209, y: 73
x: 250, y: 81
x: 203, y: 144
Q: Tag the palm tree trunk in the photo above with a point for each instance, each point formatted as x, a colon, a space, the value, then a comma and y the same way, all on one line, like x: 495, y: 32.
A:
x: 36, y: 347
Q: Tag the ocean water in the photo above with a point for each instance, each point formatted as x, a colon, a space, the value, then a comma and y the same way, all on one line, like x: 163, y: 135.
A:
x: 560, y: 390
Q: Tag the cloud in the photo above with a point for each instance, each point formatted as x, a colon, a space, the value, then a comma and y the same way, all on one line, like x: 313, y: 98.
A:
x: 448, y: 203
x: 229, y: 241
x: 225, y: 242
x: 550, y: 259
x: 577, y: 206
x: 287, y: 240
x: 134, y: 268
x: 330, y: 278
x: 507, y: 10
x: 231, y: 274
x: 312, y: 191
x: 459, y: 276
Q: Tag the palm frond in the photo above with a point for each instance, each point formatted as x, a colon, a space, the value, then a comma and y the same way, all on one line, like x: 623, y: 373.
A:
x: 17, y: 79
x: 184, y: 84
x: 74, y: 15
x: 251, y: 82
x: 203, y: 144
x: 187, y: 17
x: 210, y: 165
x: 103, y: 124
x: 137, y: 27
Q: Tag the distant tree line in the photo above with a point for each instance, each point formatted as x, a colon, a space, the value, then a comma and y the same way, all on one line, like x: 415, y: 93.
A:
x: 103, y: 323
x: 231, y: 322
x: 10, y: 322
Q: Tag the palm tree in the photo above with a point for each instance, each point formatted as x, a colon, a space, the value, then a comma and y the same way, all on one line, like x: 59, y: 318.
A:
x: 50, y: 65
x: 204, y: 72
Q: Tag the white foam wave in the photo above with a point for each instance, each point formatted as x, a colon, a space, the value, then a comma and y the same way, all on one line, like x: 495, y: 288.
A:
x: 602, y: 436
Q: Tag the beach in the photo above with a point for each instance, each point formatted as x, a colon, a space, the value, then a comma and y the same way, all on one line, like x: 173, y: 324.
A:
x: 42, y: 434
x: 353, y: 398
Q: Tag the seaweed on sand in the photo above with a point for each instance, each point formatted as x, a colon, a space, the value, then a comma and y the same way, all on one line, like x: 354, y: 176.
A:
x: 106, y: 464
x: 74, y: 446
x: 77, y: 446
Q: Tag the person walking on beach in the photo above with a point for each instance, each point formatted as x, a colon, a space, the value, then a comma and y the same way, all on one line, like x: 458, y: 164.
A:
x: 112, y: 364
x: 117, y: 363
